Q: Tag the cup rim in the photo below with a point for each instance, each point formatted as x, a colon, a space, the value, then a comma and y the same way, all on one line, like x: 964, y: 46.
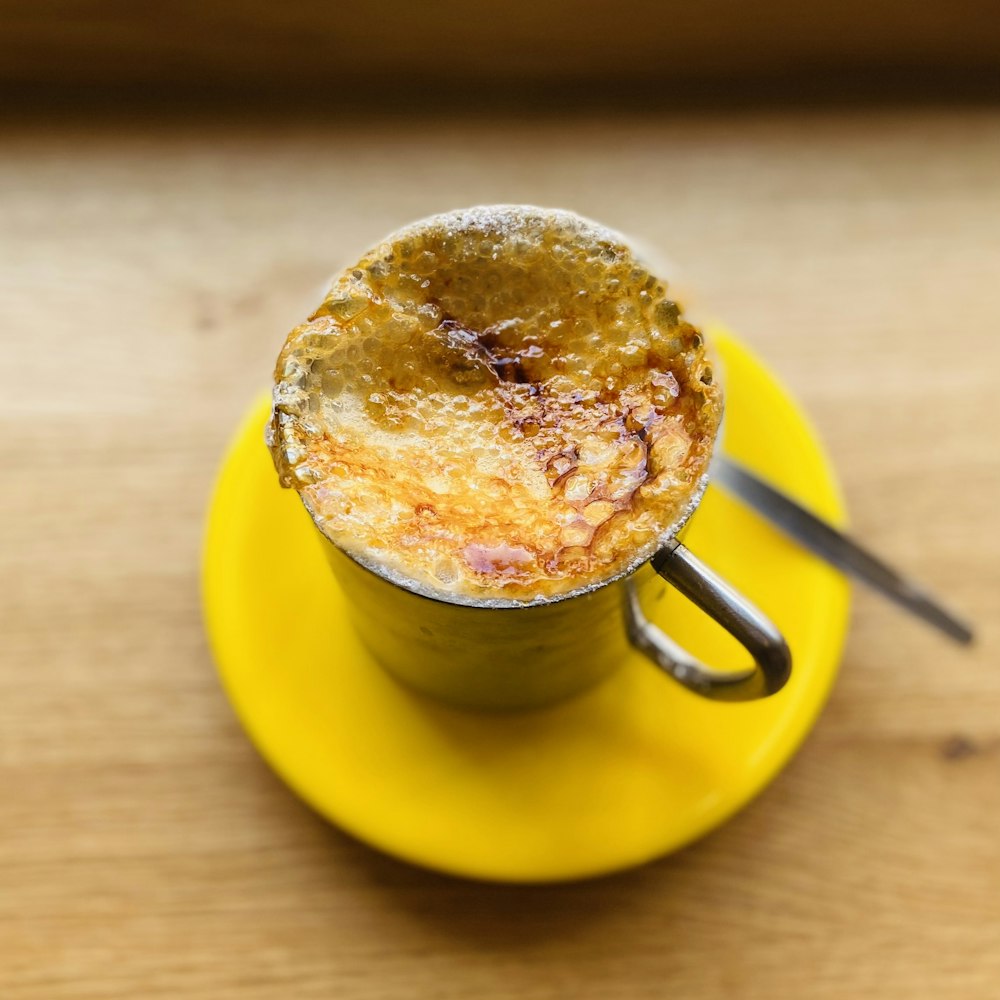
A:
x: 407, y: 583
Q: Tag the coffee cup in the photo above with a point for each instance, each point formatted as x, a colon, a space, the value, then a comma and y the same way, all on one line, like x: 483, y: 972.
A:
x: 501, y: 428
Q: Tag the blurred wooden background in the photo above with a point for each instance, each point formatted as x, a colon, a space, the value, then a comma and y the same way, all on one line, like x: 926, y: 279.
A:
x: 148, y: 272
x: 331, y: 53
x: 151, y: 261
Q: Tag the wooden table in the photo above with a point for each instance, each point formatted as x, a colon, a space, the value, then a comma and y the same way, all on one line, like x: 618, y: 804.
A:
x: 148, y: 272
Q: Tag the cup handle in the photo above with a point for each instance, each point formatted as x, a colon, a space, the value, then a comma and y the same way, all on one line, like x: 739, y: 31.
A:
x: 704, y: 588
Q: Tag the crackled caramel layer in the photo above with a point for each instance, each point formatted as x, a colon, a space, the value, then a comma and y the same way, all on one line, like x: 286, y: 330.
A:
x: 498, y: 403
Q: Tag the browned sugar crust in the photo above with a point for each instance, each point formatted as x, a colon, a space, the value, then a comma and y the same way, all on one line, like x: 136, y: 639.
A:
x: 501, y: 403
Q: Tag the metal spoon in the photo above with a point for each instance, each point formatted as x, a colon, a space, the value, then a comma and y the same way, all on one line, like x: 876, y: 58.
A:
x: 836, y: 548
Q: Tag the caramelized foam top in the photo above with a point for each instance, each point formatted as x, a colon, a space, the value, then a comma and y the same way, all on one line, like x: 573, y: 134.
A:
x: 500, y: 403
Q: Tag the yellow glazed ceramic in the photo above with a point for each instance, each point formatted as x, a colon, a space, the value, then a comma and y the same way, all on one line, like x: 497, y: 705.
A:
x: 630, y: 770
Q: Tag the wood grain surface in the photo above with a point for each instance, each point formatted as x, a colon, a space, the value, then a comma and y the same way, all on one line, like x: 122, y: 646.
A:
x: 148, y: 272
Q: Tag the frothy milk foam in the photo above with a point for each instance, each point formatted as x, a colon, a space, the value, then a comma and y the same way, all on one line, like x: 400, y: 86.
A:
x: 499, y: 404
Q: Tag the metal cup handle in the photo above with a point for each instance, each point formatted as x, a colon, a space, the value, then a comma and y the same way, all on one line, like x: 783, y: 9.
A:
x: 704, y: 588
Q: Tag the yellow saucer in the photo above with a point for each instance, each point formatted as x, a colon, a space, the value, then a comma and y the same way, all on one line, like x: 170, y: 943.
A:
x: 630, y: 770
